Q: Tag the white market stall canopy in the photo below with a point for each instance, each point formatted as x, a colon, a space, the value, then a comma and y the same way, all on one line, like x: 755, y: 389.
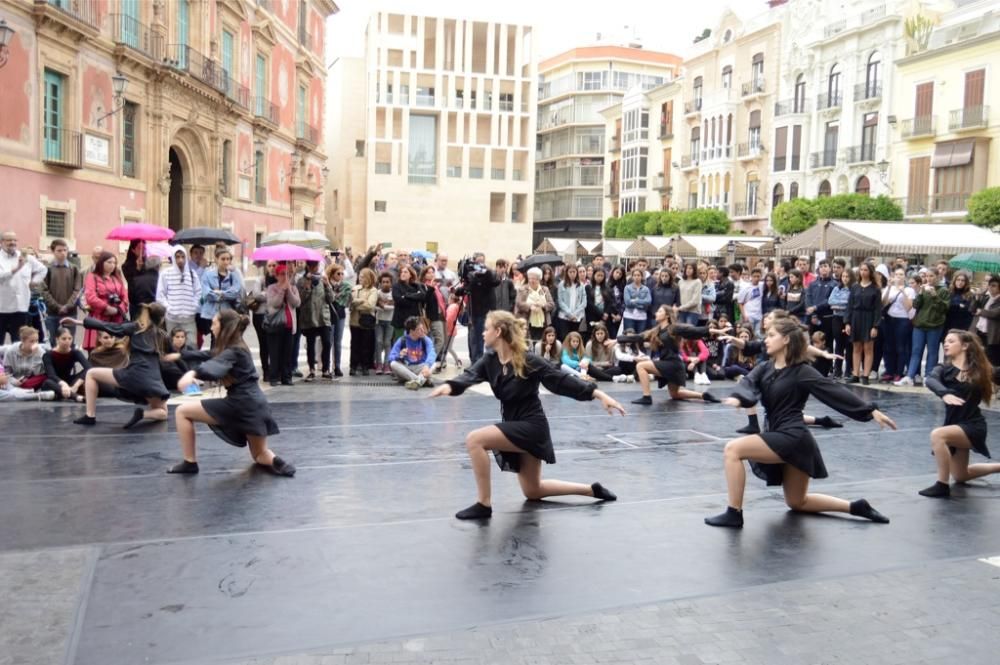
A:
x: 847, y: 237
x: 568, y: 246
x: 617, y: 247
x: 711, y: 246
x: 645, y: 247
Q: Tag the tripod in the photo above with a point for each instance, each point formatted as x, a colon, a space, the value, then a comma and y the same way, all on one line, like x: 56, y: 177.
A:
x: 443, y: 358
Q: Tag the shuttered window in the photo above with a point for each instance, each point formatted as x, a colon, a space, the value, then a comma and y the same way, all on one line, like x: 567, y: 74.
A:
x: 975, y: 83
x: 780, y: 148
x: 918, y: 185
x: 55, y: 223
x: 796, y: 146
x: 924, y: 104
x: 755, y: 119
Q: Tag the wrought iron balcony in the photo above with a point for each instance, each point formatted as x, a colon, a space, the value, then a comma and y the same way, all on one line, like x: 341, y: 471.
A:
x: 186, y: 59
x: 240, y: 94
x: 829, y: 100
x: 868, y: 90
x: 86, y: 12
x: 138, y: 37
x: 754, y: 87
x: 749, y: 150
x: 918, y: 127
x: 858, y: 154
x: 307, y: 135
x: 790, y: 106
x: 692, y: 106
x: 665, y: 132
x: 689, y: 161
x: 615, y: 145
x: 264, y: 110
x: 824, y: 159
x: 970, y: 117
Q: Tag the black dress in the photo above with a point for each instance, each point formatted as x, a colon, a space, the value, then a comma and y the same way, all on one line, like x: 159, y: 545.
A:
x: 944, y: 381
x: 524, y: 422
x: 141, y: 378
x: 244, y: 410
x: 669, y: 365
x: 784, y: 393
x: 864, y: 311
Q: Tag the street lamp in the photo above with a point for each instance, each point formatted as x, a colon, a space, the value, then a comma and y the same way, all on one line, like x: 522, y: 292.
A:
x: 6, y: 34
x: 731, y: 250
x: 118, y: 85
x: 883, y: 174
x: 777, y: 248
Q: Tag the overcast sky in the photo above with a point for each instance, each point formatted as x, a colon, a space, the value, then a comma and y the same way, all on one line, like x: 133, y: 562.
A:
x: 662, y: 25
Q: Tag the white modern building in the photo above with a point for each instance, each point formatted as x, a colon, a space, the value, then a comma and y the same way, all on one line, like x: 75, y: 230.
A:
x: 447, y: 140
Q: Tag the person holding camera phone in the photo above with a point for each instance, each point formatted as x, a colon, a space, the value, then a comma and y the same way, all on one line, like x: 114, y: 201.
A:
x: 480, y: 283
x: 106, y: 294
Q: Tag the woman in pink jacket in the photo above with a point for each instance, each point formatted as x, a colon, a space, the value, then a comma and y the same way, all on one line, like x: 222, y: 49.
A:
x: 106, y: 294
x: 694, y: 353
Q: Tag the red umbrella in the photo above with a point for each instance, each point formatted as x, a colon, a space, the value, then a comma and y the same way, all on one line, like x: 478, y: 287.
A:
x: 141, y: 231
x: 286, y: 253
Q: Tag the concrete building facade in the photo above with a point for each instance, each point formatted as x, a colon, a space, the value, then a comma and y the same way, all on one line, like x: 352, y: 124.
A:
x: 449, y: 127
x: 574, y: 87
x: 218, y: 125
x: 946, y: 103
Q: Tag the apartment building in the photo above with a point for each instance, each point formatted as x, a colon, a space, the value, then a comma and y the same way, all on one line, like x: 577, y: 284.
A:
x: 831, y: 131
x: 574, y: 87
x: 947, y: 143
x: 643, y: 171
x: 447, y: 137
x: 730, y: 88
x: 184, y: 113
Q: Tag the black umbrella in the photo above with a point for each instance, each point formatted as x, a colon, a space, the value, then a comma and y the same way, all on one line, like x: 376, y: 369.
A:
x: 204, y: 235
x: 538, y: 260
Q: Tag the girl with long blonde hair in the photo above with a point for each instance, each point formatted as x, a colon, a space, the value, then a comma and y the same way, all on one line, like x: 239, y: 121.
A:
x: 521, y: 442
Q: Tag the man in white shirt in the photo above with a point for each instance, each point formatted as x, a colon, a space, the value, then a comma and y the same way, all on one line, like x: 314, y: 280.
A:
x: 750, y: 300
x: 447, y: 278
x: 17, y: 273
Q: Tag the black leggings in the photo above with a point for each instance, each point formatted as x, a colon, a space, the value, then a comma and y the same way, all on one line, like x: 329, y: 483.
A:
x: 265, y: 360
x: 362, y: 348
x: 324, y: 337
x: 281, y: 363
x: 605, y: 373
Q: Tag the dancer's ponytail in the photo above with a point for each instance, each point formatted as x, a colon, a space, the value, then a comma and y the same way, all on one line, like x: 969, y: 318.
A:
x: 514, y: 331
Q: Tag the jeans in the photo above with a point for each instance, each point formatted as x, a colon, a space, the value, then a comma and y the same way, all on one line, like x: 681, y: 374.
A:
x: 896, y: 350
x: 10, y: 323
x: 637, y: 325
x: 437, y: 335
x: 932, y: 339
x: 323, y: 333
x: 476, y: 337
x: 337, y: 330
x: 383, y: 342
x: 408, y: 372
x: 690, y: 318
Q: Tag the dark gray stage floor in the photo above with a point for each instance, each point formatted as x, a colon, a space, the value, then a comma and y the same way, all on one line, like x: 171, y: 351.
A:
x: 108, y: 560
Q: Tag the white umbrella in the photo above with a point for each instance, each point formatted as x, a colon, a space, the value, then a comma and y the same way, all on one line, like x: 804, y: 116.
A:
x: 310, y: 239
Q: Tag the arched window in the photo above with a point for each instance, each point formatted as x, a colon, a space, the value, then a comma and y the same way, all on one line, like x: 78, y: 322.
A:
x: 862, y: 186
x: 727, y: 76
x: 824, y: 188
x: 757, y: 70
x: 833, y: 91
x: 793, y: 191
x: 800, y: 94
x: 778, y: 195
x: 873, y: 76
x: 726, y: 37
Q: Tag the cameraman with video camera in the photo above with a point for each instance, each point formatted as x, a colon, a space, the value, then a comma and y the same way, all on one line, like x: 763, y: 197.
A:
x: 479, y: 283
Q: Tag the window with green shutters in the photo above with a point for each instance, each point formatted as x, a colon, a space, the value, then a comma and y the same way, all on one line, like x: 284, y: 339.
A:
x: 182, y: 32
x: 129, y: 116
x: 301, y: 111
x: 55, y: 84
x: 260, y: 85
x: 227, y: 58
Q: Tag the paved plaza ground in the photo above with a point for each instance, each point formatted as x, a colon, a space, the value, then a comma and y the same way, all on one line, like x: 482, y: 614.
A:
x: 106, y: 560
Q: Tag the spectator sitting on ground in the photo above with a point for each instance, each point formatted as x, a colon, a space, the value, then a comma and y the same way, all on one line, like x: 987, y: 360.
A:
x: 23, y: 363
x: 549, y: 347
x: 60, y: 364
x: 110, y: 352
x: 173, y: 366
x: 412, y: 356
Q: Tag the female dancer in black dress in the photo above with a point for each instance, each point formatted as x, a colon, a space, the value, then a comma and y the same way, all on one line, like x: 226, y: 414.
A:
x: 140, y: 381
x: 962, y: 383
x: 787, y: 454
x: 243, y: 415
x: 521, y: 441
x: 669, y: 368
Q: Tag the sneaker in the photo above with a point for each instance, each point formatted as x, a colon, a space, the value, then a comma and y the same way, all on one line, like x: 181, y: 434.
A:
x: 705, y: 381
x: 378, y: 370
x: 905, y: 381
x: 328, y: 376
x: 310, y: 377
x: 918, y: 381
x: 337, y: 373
x: 629, y: 379
x: 886, y: 378
x: 428, y: 383
x: 412, y: 385
x: 45, y: 395
x: 297, y: 374
x: 618, y: 379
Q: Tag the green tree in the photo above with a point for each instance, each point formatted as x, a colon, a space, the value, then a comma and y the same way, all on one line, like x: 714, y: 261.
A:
x: 794, y: 216
x: 632, y: 225
x: 671, y: 222
x: 611, y: 227
x: 705, y: 221
x: 984, y: 208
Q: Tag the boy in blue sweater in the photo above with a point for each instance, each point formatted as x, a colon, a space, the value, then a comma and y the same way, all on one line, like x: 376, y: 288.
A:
x: 412, y: 356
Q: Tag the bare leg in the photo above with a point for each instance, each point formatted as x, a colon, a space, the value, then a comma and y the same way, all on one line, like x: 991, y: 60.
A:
x: 185, y: 417
x: 858, y: 368
x: 534, y: 488
x: 265, y: 457
x: 157, y: 409
x: 736, y: 451
x: 679, y: 393
x: 644, y: 369
x: 479, y: 443
x: 796, y: 485
x: 869, y: 356
x: 957, y: 464
x: 96, y: 377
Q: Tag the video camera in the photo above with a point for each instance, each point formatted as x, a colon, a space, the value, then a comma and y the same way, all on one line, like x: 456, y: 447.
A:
x: 468, y: 269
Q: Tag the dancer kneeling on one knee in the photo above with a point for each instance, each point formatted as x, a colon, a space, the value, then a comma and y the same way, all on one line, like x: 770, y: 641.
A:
x: 140, y: 381
x: 962, y: 383
x: 521, y: 442
x: 243, y: 416
x: 786, y: 454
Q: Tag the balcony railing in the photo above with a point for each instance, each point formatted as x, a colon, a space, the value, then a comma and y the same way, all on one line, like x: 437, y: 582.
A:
x: 184, y: 58
x: 260, y: 195
x: 307, y: 135
x: 789, y: 107
x: 829, y: 100
x: 85, y: 11
x: 62, y: 147
x: 240, y: 94
x: 858, y: 154
x: 660, y: 183
x: 615, y: 144
x: 265, y: 110
x: 868, y: 90
x: 612, y: 190
x: 755, y: 87
x: 833, y: 28
x: 689, y: 161
x: 950, y: 202
x: 743, y: 209
x: 749, y: 150
x: 425, y: 100
x: 422, y: 178
x: 692, y: 106
x: 665, y: 132
x: 137, y: 36
x: 970, y: 117
x: 920, y: 126
x: 824, y: 159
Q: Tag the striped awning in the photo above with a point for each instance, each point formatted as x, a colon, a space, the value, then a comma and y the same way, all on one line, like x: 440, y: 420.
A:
x: 713, y: 246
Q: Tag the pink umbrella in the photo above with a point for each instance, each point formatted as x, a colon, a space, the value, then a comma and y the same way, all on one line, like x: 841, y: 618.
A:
x: 160, y: 249
x: 140, y: 231
x: 286, y: 253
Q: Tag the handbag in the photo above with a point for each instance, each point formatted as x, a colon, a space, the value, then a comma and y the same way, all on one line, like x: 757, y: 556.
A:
x: 274, y: 321
x: 366, y: 321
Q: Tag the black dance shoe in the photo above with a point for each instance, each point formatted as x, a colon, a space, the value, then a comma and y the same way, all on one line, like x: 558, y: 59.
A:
x: 938, y: 490
x: 732, y: 518
x: 645, y: 400
x: 476, y: 511
x: 861, y: 508
x: 603, y: 493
